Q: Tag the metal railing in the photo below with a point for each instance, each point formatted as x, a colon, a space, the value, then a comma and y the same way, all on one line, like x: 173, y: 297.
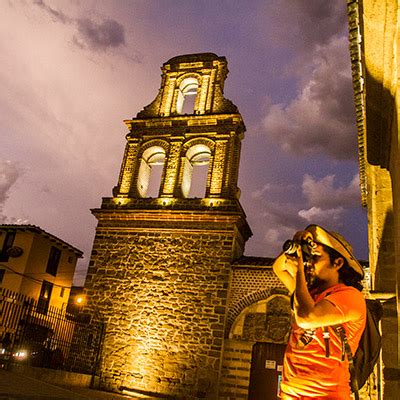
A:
x: 47, y: 338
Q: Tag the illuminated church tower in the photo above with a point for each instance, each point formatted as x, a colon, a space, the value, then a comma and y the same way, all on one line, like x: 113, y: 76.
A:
x: 160, y: 268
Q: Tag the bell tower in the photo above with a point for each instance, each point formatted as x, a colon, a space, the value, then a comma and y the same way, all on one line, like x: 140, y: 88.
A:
x: 170, y: 133
x: 159, y: 275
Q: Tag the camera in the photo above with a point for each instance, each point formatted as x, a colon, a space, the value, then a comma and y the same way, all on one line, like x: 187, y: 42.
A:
x: 307, y: 248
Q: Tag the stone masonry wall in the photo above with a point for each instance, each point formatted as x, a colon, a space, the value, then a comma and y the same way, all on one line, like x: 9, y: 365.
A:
x: 164, y: 297
x: 236, y: 370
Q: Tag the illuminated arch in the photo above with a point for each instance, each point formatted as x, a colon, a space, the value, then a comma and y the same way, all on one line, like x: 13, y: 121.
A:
x: 196, y: 169
x: 153, y: 155
x: 274, y: 324
x: 187, y: 90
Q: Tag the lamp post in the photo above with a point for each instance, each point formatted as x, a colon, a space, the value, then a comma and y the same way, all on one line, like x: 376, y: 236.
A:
x: 93, y: 311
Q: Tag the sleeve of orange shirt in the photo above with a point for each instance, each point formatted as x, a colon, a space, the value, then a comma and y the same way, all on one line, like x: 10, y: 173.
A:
x: 349, y: 301
x: 351, y: 304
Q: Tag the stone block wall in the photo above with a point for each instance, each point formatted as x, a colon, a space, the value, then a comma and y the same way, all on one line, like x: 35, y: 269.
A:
x: 236, y: 370
x: 164, y: 297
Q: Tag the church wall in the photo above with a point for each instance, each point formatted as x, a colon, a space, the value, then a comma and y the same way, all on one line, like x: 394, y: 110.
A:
x: 165, y: 298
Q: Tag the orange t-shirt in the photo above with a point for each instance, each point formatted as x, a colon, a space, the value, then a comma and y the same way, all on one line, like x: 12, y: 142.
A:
x: 307, y: 372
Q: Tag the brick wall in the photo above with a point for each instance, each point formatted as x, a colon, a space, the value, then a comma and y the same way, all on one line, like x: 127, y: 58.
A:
x: 252, y: 280
x: 235, y: 370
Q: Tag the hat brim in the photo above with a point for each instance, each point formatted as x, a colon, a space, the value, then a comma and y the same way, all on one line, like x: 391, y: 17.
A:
x: 327, y: 238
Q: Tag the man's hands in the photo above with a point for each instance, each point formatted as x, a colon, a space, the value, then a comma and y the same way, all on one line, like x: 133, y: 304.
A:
x: 286, y: 266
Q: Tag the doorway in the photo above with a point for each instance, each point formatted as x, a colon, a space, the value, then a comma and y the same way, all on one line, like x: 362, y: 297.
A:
x: 266, y: 371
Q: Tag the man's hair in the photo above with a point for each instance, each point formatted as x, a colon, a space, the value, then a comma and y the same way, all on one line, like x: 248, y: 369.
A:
x: 347, y: 275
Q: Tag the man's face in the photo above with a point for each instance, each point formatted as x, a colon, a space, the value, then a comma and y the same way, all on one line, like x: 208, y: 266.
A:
x: 319, y: 268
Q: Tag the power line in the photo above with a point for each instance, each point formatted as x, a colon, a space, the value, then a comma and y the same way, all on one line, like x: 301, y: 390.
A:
x: 31, y: 278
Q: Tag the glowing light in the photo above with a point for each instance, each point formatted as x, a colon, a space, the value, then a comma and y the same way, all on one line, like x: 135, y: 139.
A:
x: 166, y: 201
x: 213, y: 202
x: 20, y: 354
x: 121, y: 201
x: 80, y: 300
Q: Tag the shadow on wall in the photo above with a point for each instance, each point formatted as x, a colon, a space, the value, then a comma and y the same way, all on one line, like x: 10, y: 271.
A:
x: 385, y: 275
x: 381, y: 128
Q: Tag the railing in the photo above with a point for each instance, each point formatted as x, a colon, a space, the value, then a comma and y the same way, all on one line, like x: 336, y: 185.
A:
x: 49, y: 338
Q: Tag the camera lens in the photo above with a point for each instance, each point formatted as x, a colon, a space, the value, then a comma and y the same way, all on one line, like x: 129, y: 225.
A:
x: 290, y: 247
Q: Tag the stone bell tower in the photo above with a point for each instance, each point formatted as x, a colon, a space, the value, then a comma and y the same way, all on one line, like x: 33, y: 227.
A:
x: 159, y: 275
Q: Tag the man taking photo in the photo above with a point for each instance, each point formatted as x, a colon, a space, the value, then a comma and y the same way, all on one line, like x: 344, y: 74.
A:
x: 324, y: 279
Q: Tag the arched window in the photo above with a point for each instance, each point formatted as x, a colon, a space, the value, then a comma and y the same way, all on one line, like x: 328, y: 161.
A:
x: 195, y: 171
x: 187, y: 96
x: 150, y: 171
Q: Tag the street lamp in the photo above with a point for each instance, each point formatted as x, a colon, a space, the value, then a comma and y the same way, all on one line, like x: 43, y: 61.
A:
x: 80, y: 301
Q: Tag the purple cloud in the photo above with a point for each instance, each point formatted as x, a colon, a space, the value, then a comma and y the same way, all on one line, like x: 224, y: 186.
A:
x: 320, y: 120
x: 9, y: 174
x: 98, y: 36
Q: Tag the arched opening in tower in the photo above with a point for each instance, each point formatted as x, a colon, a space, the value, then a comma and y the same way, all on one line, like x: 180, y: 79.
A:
x: 195, y: 173
x: 187, y: 96
x: 150, y: 171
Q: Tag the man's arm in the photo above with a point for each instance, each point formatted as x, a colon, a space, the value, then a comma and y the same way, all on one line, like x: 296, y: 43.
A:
x: 308, y: 314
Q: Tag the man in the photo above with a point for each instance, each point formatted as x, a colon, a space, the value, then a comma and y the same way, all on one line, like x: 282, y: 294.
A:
x: 315, y: 366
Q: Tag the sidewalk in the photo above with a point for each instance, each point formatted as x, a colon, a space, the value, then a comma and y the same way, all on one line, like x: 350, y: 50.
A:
x: 15, y: 386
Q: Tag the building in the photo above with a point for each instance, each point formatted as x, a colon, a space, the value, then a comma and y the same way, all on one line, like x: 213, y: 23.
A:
x: 37, y: 264
x: 186, y: 314
x: 374, y: 42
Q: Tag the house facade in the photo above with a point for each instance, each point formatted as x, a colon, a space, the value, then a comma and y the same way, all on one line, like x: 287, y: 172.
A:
x: 37, y: 264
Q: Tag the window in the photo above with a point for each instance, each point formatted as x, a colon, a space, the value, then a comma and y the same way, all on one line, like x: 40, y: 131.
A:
x: 54, y: 259
x: 8, y: 242
x: 44, y: 297
x: 2, y: 272
x: 187, y: 96
x: 150, y: 171
x: 62, y: 291
x: 195, y: 171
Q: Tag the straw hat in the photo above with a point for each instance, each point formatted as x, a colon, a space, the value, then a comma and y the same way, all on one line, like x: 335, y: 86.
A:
x: 336, y: 242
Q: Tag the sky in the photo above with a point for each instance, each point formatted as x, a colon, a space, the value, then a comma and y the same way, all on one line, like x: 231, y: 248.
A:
x: 72, y: 70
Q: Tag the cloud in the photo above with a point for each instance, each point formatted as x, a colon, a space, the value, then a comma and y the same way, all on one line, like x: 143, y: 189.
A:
x: 322, y: 193
x: 306, y: 24
x: 328, y: 204
x: 56, y: 14
x: 321, y: 201
x: 322, y: 216
x: 274, y: 219
x: 320, y: 120
x: 98, y: 36
x: 9, y: 174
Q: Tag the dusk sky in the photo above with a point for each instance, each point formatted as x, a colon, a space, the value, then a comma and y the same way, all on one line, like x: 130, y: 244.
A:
x: 72, y: 71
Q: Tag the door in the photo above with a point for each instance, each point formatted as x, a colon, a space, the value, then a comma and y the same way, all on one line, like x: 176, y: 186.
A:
x: 266, y: 371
